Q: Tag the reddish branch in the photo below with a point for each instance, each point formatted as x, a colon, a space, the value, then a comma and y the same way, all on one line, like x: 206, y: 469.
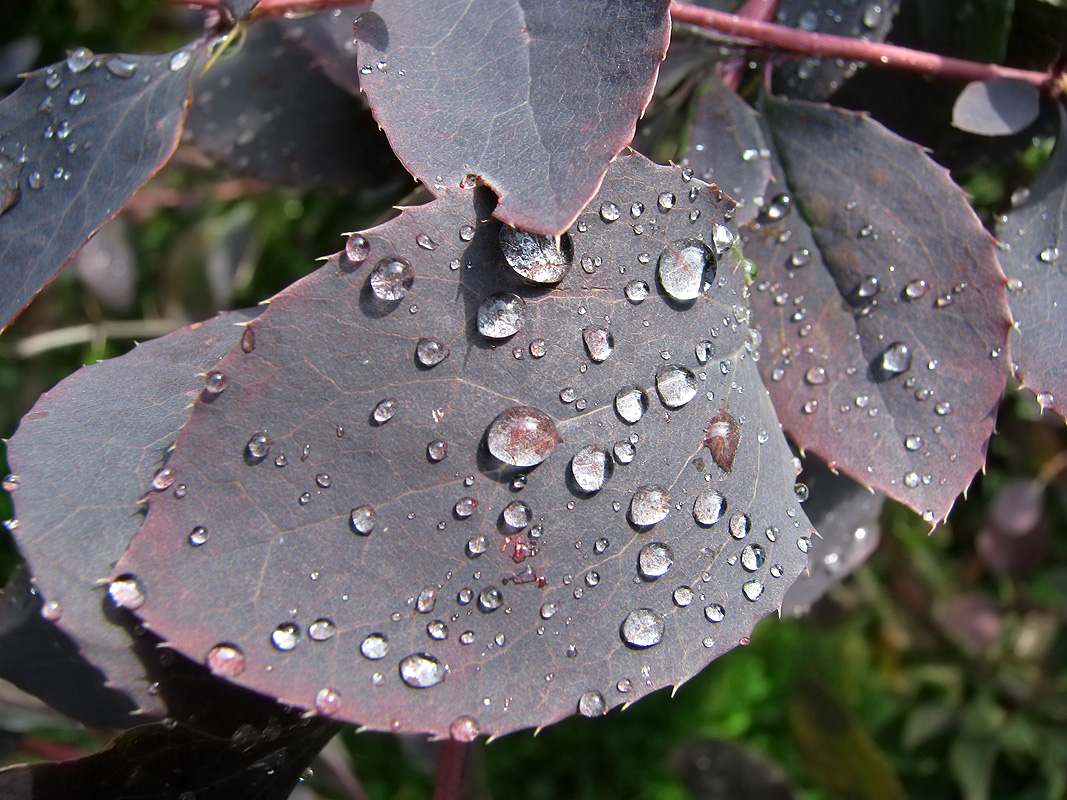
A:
x: 760, y: 32
x: 451, y: 758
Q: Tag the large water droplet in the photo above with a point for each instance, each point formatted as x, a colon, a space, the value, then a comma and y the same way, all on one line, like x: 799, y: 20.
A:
x: 501, y: 315
x: 684, y: 268
x: 421, y: 671
x: 357, y: 248
x: 590, y: 467
x: 752, y: 590
x: 522, y: 436
x: 215, y: 382
x: 631, y: 404
x: 226, y: 660
x: 431, y: 352
x: 322, y: 629
x: 286, y: 636
x: 259, y: 445
x: 636, y: 291
x: 490, y: 599
x: 179, y: 59
x: 709, y: 507
x: 752, y: 557
x: 591, y: 704
x: 715, y: 612
x: 391, y: 279
x: 385, y: 410
x: 740, y: 525
x: 464, y: 729
x: 894, y: 360
x: 649, y: 505
x: 127, y: 592
x: 599, y: 342
x: 517, y: 514
x: 375, y: 646
x: 654, y: 559
x: 677, y: 385
x: 363, y: 520
x: 437, y: 450
x: 464, y: 507
x: 609, y: 212
x: 533, y: 256
x: 642, y: 627
x: 79, y: 59
x: 683, y: 596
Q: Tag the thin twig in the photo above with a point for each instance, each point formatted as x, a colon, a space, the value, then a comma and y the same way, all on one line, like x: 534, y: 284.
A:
x: 824, y: 45
x: 274, y: 7
x: 451, y: 758
x: 138, y: 329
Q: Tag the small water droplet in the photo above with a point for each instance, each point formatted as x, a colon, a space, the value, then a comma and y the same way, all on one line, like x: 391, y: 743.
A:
x: 522, y: 436
x: 327, y: 702
x: 160, y: 481
x: 375, y: 646
x: 676, y: 385
x: 816, y: 376
x: 421, y: 671
x: 226, y: 660
x: 464, y: 729
x: 624, y: 452
x: 259, y: 445
x: 179, y: 59
x: 1049, y: 254
x: 599, y: 343
x: 649, y: 505
x: 437, y: 450
x: 894, y: 360
x: 654, y: 559
x: 740, y: 525
x: 915, y: 289
x: 119, y: 67
x: 642, y: 627
x: 709, y: 507
x: 752, y: 557
x: 501, y: 315
x: 426, y: 600
x: 592, y: 704
x: 590, y: 468
x: 385, y: 410
x: 666, y: 201
x: 631, y: 404
x: 424, y: 241
x: 363, y: 520
x: 198, y: 536
x: 609, y: 212
x: 944, y: 408
x: 78, y: 60
x: 431, y: 352
x: 715, y: 613
x: 490, y: 599
x: 913, y: 442
x: 76, y: 97
x: 286, y: 636
x: 517, y: 514
x: 391, y: 279
x: 248, y: 340
x: 636, y: 291
x: 127, y: 592
x: 800, y: 257
x: 683, y: 596
x: 322, y: 629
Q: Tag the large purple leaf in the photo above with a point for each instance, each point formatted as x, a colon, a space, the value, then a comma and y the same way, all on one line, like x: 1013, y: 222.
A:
x: 726, y: 146
x: 83, y: 459
x: 159, y: 761
x: 1034, y: 256
x: 532, y: 96
x: 267, y: 111
x: 77, y: 139
x: 368, y: 496
x: 327, y: 36
x: 882, y: 307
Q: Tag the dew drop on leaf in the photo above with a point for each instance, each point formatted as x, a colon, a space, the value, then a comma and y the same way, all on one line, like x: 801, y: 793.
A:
x: 654, y: 559
x: 374, y: 647
x: 357, y: 248
x: 215, y: 382
x: 534, y: 257
x: 649, y: 505
x: 160, y: 481
x: 464, y: 729
x: 391, y: 279
x: 464, y: 507
x: 226, y: 660
x: 79, y: 59
x: 322, y: 629
x: 517, y: 514
x: 126, y: 592
x: 431, y: 352
x: 590, y: 467
x: 676, y: 385
x: 385, y: 410
x: 683, y: 596
x: 363, y: 520
x: 286, y: 636
x: 715, y: 613
x: 642, y: 627
x: 684, y: 267
x: 522, y: 436
x: 490, y: 599
x: 895, y: 359
x: 708, y: 507
x: 501, y: 315
x: 599, y: 343
x: 636, y: 291
x: 259, y: 445
x: 421, y: 671
x: 327, y: 701
x: 740, y: 525
x: 609, y: 212
x: 591, y: 704
x: 631, y: 404
x: 752, y: 590
x: 437, y: 450
x: 752, y: 557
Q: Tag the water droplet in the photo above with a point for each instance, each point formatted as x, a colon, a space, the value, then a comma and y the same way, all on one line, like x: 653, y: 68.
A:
x: 666, y: 201
x: 490, y: 599
x: 677, y: 385
x: 895, y: 359
x: 913, y: 442
x: 591, y: 704
x: 466, y: 233
x: 649, y: 505
x: 286, y: 636
x: 522, y: 436
x: 801, y: 491
x: 752, y: 590
x: 740, y: 525
x: 752, y: 557
x: 180, y: 491
x: 810, y: 406
x: 538, y: 348
x: 872, y: 15
x: 323, y: 480
x: 517, y: 514
x: 599, y: 342
x: 322, y: 629
x: 636, y: 291
x: 385, y: 410
x: 391, y: 279
x: 215, y: 382
x: 944, y: 408
x: 425, y: 242
x: 363, y: 520
x: 179, y: 59
x: 654, y: 559
x: 79, y: 60
x: 534, y: 257
x: 590, y: 467
x: 119, y: 67
x: 915, y: 289
x: 1049, y: 254
x: 683, y: 596
x: 911, y: 480
x: 501, y: 315
x: 609, y: 212
x: 127, y: 592
x: 426, y: 600
x: 722, y: 437
x: 437, y: 450
x: 624, y: 452
x: 708, y: 507
x: 464, y: 729
x: 816, y: 376
x: 259, y: 445
x: 800, y: 257
x: 684, y: 268
x: 160, y: 481
x: 198, y: 536
x: 779, y: 206
x: 76, y: 97
x: 421, y: 671
x: 465, y: 506
x: 642, y: 627
x: 431, y: 352
x: 715, y: 613
x: 327, y: 702
x: 375, y: 646
x: 631, y: 404
x: 226, y: 660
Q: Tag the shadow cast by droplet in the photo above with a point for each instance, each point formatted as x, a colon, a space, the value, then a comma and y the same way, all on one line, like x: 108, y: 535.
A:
x: 496, y: 470
x: 371, y: 29
x: 373, y: 306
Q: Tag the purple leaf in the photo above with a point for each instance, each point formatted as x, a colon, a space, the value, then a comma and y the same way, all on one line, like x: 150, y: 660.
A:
x: 489, y: 89
x: 327, y: 36
x: 997, y: 107
x: 77, y: 139
x: 83, y: 459
x: 1034, y: 255
x: 882, y: 307
x: 428, y: 494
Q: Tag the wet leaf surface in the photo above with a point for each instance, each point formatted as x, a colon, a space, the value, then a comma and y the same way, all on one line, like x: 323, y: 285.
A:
x: 78, y: 139
x: 845, y: 514
x: 540, y: 139
x: 84, y: 458
x: 996, y: 107
x: 267, y: 111
x: 1034, y: 256
x: 154, y: 762
x: 818, y: 78
x: 882, y: 307
x: 401, y: 493
x: 327, y: 36
x: 726, y: 146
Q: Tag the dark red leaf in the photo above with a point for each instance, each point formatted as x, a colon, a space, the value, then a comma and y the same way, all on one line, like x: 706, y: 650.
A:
x: 83, y: 459
x: 1034, y: 255
x: 164, y: 761
x: 882, y: 307
x: 354, y: 486
x: 726, y: 146
x: 533, y: 97
x: 327, y: 36
x: 78, y: 139
x: 267, y: 111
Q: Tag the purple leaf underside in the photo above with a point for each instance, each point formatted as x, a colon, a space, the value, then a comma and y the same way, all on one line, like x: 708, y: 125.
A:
x: 882, y: 307
x: 493, y: 94
x: 77, y: 139
x: 1034, y: 256
x: 379, y: 541
x: 327, y: 36
x: 83, y: 458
